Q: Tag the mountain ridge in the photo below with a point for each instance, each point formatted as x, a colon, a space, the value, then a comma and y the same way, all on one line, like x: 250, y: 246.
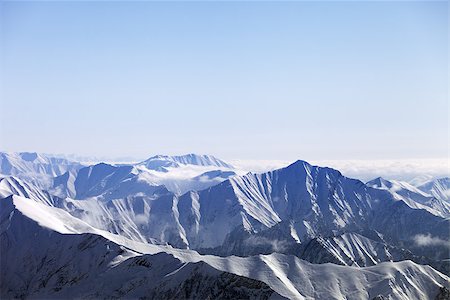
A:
x: 287, y: 275
x: 274, y: 220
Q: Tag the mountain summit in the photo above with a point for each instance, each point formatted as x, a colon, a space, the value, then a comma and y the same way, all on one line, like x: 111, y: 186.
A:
x: 162, y: 162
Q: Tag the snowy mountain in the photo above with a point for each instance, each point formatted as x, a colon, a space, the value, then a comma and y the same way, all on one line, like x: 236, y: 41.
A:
x: 14, y: 186
x: 295, y: 204
x: 415, y: 197
x: 118, y: 199
x: 352, y: 249
x: 274, y: 211
x: 46, y: 253
x: 98, y: 179
x: 113, y: 182
x: 184, y: 173
x: 179, y: 174
x: 138, y: 229
x: 438, y: 188
x: 34, y: 167
x: 29, y: 162
x: 162, y: 162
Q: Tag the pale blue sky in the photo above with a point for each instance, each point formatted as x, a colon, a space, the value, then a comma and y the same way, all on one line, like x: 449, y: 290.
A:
x: 260, y: 80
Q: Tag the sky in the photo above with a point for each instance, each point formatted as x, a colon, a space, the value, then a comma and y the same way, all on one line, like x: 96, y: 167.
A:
x: 239, y: 80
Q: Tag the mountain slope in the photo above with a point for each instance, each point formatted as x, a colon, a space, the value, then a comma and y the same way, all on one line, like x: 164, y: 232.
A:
x: 184, y: 173
x: 113, y: 182
x: 299, y: 203
x: 162, y: 162
x: 46, y: 263
x: 15, y: 186
x: 34, y: 167
x: 39, y: 261
x: 353, y: 249
x: 64, y: 178
x: 412, y: 196
x: 273, y: 211
x: 140, y: 218
x: 439, y: 188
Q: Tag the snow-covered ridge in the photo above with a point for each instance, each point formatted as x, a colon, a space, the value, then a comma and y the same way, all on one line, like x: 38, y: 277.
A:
x: 314, y: 213
x: 183, y: 173
x: 14, y: 186
x: 178, y: 173
x: 161, y: 162
x: 76, y: 258
x: 277, y: 210
x: 36, y: 168
x: 285, y: 207
x: 30, y: 162
x: 439, y: 188
x: 430, y: 196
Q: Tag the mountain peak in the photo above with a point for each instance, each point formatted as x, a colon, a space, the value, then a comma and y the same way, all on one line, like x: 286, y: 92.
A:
x: 439, y: 188
x: 300, y: 163
x: 304, y: 165
x: 161, y: 162
x: 379, y: 182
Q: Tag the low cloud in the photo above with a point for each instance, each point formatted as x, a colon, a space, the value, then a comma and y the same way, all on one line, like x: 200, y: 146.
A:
x: 259, y: 241
x: 259, y: 166
x: 141, y: 219
x: 428, y: 240
x: 401, y: 169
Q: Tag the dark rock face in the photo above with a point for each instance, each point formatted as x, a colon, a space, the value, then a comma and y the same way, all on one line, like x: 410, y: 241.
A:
x: 224, y: 286
x: 444, y: 294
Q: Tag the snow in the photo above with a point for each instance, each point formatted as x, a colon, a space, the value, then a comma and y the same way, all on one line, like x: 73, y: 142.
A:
x: 429, y: 196
x: 286, y: 274
x: 439, y: 188
x: 161, y: 162
x: 37, y: 168
x: 199, y: 202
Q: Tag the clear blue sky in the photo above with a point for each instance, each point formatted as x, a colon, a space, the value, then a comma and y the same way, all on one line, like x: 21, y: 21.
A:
x: 272, y: 80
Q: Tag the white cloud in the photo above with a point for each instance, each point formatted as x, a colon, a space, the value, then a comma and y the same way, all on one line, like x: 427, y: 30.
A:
x: 259, y: 166
x: 428, y: 240
x: 401, y: 169
x: 258, y: 241
x: 141, y: 219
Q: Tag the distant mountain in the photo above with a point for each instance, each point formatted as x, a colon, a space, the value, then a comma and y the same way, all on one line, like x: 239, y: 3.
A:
x: 276, y: 211
x: 439, y: 188
x: 137, y: 229
x: 215, y: 174
x: 118, y: 199
x: 106, y: 182
x: 295, y: 204
x: 15, y: 186
x: 33, y: 163
x: 416, y: 197
x: 162, y: 162
x: 36, y: 168
x: 113, y: 182
x: 120, y: 181
x: 46, y: 253
x: 184, y: 173
x: 60, y: 177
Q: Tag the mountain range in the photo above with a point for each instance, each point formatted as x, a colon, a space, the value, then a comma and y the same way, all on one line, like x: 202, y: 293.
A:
x: 194, y: 226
